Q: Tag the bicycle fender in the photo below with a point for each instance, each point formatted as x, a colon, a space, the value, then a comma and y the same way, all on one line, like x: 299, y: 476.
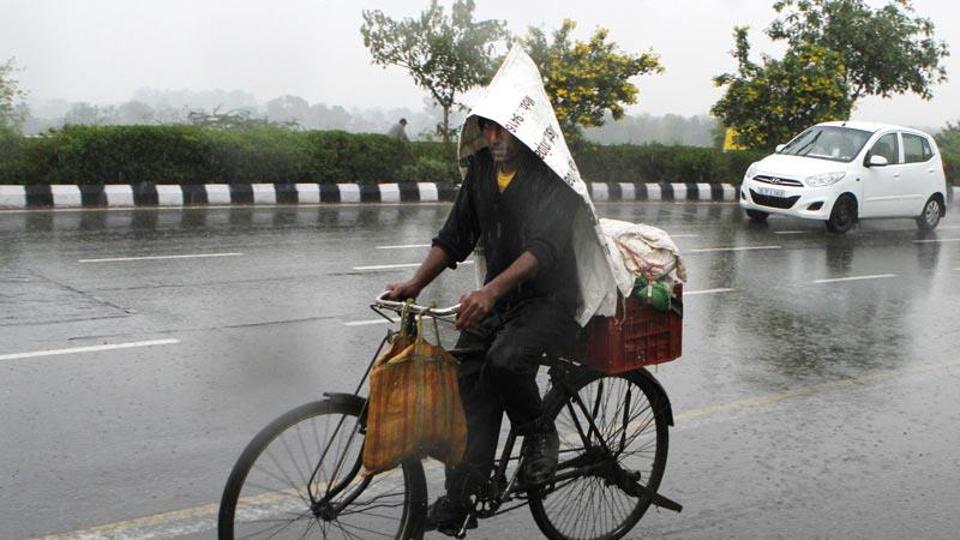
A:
x: 342, y: 397
x: 642, y: 372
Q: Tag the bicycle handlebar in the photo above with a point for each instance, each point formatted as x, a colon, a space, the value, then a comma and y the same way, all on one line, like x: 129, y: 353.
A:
x: 395, y: 305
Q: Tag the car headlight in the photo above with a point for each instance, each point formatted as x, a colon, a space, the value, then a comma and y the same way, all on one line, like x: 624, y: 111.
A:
x: 751, y: 171
x: 824, y: 179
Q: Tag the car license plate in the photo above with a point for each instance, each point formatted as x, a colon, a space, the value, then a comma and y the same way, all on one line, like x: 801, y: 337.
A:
x: 771, y: 192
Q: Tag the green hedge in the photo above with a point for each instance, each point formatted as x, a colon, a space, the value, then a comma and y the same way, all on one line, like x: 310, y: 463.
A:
x: 188, y: 154
x: 661, y: 163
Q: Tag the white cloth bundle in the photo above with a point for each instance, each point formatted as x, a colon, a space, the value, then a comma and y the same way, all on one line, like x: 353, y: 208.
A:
x: 644, y: 251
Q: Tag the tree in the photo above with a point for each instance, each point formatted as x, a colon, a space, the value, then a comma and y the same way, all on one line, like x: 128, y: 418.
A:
x: 85, y: 114
x: 949, y: 139
x: 287, y: 109
x: 135, y: 113
x: 584, y: 80
x: 768, y: 103
x: 885, y: 51
x: 445, y: 56
x: 12, y: 109
x: 237, y: 119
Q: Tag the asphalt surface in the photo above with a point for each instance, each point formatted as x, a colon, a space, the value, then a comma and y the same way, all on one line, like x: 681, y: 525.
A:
x: 816, y: 396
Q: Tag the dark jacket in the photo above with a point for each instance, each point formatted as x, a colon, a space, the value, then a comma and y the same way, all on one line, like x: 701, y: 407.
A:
x: 535, y: 213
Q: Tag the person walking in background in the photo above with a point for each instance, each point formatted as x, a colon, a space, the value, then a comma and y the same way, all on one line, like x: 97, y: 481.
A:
x: 399, y: 130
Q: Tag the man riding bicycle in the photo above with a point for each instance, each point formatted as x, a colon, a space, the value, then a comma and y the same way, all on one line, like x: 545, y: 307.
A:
x: 522, y: 213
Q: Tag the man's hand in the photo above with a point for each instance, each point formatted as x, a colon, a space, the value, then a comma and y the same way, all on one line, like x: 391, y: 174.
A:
x: 435, y: 262
x: 474, y: 307
x: 403, y: 291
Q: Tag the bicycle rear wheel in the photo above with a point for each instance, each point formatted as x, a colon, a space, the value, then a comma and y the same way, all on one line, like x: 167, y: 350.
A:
x: 300, y: 477
x: 588, y: 501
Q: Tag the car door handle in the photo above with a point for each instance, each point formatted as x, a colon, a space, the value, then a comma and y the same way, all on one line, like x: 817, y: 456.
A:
x: 896, y: 175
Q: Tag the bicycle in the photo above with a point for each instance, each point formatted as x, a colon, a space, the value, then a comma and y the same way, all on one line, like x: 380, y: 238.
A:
x: 292, y: 481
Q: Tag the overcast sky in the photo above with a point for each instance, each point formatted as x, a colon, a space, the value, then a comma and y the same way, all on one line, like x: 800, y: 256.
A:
x: 102, y: 51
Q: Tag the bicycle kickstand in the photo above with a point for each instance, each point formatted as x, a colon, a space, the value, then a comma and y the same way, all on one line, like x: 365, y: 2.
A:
x: 462, y: 533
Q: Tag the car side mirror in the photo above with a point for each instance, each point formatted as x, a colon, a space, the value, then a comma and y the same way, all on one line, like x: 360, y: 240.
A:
x: 780, y: 147
x: 877, y: 161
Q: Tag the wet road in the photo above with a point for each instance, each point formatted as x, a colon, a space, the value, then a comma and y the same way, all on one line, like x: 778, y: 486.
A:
x: 816, y: 397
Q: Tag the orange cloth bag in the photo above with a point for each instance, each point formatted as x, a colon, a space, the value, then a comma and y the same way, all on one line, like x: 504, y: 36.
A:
x: 414, y: 410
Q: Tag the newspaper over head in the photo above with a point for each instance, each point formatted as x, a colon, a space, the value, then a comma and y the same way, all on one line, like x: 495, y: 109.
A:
x: 516, y: 100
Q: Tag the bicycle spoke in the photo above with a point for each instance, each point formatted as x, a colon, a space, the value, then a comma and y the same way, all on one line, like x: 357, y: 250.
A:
x: 308, y: 529
x: 339, y: 525
x: 303, y: 448
x: 316, y: 437
x: 293, y: 460
x: 285, y: 477
x: 280, y: 527
x: 358, y: 507
x: 372, y: 514
x: 364, y: 529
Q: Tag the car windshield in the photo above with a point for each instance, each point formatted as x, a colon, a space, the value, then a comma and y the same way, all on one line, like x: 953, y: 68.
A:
x: 828, y: 142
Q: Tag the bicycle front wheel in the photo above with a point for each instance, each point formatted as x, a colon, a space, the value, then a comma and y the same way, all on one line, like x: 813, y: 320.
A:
x: 301, y: 477
x: 613, y: 436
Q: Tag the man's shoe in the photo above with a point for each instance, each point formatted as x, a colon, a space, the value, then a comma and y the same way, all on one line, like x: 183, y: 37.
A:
x: 447, y: 517
x: 540, y: 454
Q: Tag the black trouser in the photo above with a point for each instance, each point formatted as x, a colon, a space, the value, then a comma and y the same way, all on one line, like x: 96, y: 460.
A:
x: 503, y: 378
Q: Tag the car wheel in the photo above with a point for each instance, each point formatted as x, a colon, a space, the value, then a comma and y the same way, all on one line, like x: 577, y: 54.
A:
x: 843, y: 216
x: 930, y: 217
x: 757, y: 216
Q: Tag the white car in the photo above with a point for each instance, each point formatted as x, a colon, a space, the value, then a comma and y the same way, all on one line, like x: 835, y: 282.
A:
x: 839, y: 172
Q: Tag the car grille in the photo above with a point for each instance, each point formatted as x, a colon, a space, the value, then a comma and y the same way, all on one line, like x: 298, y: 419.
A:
x: 773, y: 202
x: 777, y: 181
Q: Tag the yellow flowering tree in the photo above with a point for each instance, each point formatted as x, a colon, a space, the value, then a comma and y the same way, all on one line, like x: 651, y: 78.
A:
x: 586, y: 79
x: 887, y: 49
x: 770, y: 102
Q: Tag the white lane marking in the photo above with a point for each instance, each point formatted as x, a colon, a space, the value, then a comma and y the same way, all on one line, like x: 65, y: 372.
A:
x: 707, y: 291
x: 161, y: 257
x: 690, y: 235
x: 394, y: 266
x: 855, y: 278
x: 92, y: 348
x: 734, y: 248
x: 932, y: 240
x: 790, y: 232
x: 949, y: 227
x: 405, y: 246
x: 369, y: 322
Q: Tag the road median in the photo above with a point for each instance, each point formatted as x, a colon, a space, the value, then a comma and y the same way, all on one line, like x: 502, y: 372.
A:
x: 36, y: 196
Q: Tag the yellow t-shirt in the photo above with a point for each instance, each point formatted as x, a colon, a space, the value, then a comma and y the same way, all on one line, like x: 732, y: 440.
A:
x: 504, y: 179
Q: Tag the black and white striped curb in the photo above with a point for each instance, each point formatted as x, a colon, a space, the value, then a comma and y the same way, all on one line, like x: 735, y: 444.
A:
x: 94, y: 196
x: 72, y: 196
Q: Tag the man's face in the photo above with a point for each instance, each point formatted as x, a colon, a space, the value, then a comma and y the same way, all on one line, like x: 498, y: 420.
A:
x: 503, y: 145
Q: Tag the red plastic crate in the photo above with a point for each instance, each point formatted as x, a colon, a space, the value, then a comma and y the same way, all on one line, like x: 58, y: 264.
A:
x: 637, y: 336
